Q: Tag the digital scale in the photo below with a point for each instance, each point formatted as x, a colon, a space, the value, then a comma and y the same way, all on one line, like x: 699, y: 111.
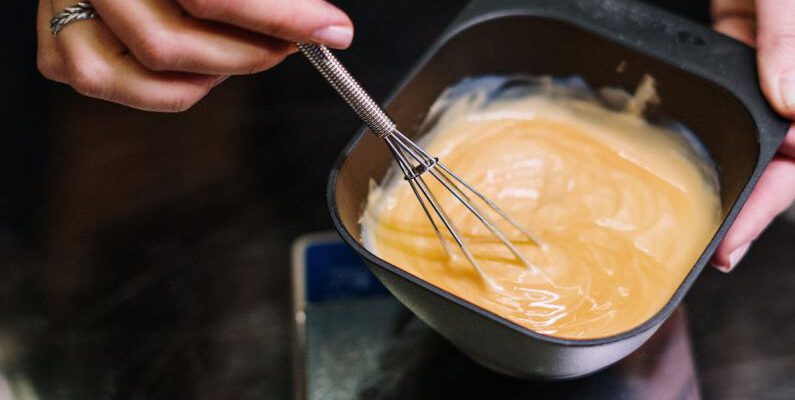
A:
x: 353, y: 340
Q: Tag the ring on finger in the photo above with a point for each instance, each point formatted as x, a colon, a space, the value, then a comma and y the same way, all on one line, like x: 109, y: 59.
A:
x: 78, y: 12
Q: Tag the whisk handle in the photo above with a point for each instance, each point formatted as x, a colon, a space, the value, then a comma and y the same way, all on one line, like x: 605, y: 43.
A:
x: 341, y: 80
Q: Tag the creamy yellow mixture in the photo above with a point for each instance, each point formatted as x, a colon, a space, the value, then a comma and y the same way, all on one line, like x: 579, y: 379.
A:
x: 623, y: 208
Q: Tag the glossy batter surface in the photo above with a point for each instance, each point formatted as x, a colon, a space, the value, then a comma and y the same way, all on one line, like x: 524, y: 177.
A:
x: 624, y: 209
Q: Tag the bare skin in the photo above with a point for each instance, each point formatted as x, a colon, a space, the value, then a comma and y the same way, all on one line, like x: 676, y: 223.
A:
x: 165, y: 55
x: 769, y: 25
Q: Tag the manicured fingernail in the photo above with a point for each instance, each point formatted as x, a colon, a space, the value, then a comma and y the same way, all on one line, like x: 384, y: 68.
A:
x: 735, y: 257
x: 338, y: 37
x: 787, y: 87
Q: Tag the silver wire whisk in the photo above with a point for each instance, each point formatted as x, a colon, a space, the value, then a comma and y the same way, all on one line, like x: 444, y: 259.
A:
x: 415, y: 162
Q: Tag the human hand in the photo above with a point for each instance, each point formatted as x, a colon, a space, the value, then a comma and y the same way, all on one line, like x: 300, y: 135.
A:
x: 165, y: 55
x: 769, y: 25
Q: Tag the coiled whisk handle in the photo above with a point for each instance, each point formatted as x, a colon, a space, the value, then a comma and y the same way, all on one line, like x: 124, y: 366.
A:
x: 341, y: 80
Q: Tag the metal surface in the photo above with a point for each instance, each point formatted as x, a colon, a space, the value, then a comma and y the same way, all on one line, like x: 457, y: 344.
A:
x: 365, y: 107
x: 414, y: 162
x: 77, y: 12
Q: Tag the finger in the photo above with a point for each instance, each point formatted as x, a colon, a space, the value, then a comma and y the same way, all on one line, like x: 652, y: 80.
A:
x: 788, y: 146
x: 163, y: 38
x: 48, y: 58
x: 776, y: 45
x: 292, y: 20
x: 735, y: 18
x: 734, y: 8
x: 99, y: 66
x: 739, y: 28
x: 773, y: 194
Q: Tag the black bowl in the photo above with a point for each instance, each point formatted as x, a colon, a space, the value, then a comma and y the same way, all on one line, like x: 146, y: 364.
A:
x: 706, y: 81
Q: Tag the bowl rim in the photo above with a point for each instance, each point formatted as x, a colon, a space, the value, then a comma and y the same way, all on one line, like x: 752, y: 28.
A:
x: 463, y: 23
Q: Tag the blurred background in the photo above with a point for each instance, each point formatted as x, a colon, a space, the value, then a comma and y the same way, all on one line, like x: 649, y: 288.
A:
x: 146, y: 256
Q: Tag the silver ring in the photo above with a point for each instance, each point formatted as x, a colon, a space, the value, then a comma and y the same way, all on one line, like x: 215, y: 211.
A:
x: 78, y: 12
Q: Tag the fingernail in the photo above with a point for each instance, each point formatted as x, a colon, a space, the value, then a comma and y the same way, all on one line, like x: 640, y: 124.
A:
x: 338, y: 37
x: 735, y: 257
x: 788, y: 92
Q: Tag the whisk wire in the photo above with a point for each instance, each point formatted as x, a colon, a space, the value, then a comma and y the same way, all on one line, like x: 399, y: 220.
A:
x: 418, y: 185
x: 414, y: 162
x: 465, y: 200
x: 496, y: 208
x: 421, y: 156
x: 443, y: 177
x: 406, y: 169
x: 454, y: 232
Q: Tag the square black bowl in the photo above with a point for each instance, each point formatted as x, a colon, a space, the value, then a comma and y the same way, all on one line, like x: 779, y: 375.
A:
x: 706, y: 81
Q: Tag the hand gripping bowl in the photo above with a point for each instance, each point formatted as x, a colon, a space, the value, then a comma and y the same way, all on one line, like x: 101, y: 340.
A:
x: 706, y: 81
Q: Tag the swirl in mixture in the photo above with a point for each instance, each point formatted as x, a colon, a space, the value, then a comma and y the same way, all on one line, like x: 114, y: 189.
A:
x: 625, y: 209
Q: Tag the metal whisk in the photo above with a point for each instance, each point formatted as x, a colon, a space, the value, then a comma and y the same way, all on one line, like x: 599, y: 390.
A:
x: 415, y: 162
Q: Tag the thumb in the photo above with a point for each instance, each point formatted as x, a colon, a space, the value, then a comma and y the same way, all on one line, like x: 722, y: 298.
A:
x: 776, y: 46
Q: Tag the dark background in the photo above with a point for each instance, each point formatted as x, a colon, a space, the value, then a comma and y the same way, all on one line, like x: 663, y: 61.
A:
x: 147, y: 255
